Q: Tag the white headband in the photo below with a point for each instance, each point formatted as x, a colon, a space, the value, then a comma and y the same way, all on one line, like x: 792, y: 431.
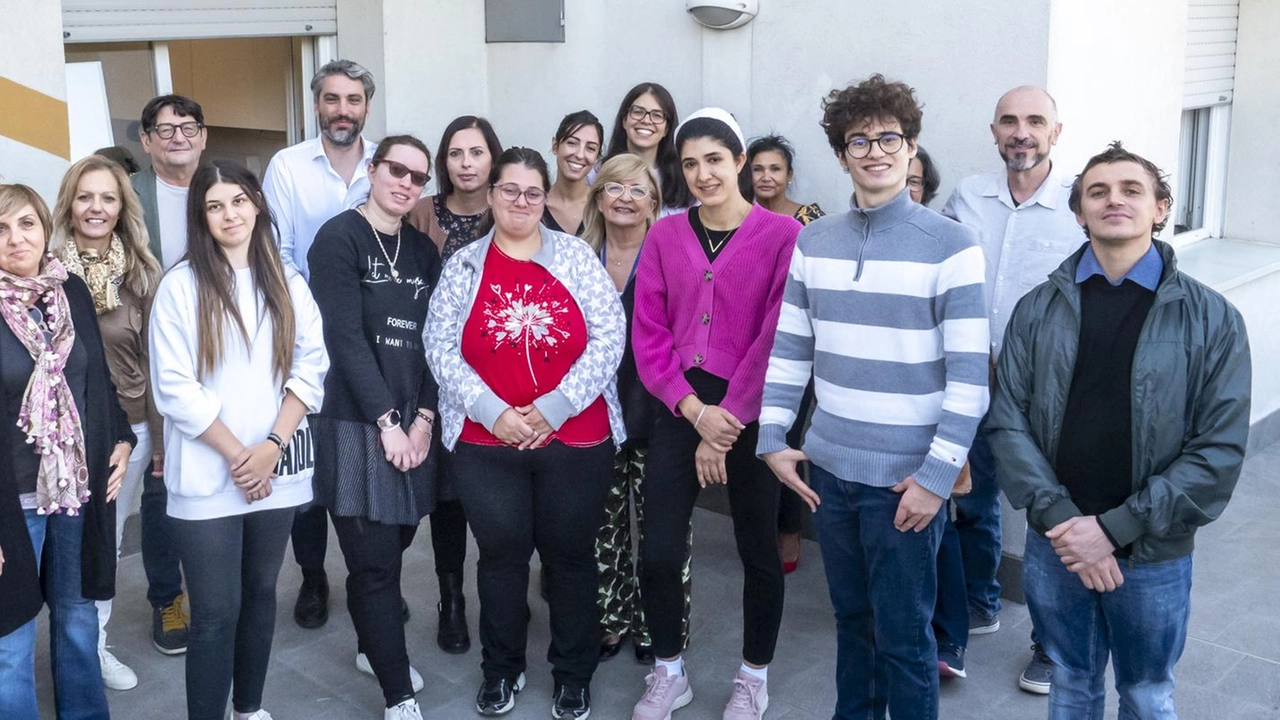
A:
x: 720, y: 114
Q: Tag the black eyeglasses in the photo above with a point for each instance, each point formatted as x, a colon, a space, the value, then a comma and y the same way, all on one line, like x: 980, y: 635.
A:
x: 615, y: 190
x: 511, y: 192
x: 167, y: 130
x: 398, y: 172
x: 860, y: 147
x: 637, y: 113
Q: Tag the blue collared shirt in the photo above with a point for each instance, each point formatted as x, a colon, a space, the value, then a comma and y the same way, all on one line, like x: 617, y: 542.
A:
x: 1146, y: 272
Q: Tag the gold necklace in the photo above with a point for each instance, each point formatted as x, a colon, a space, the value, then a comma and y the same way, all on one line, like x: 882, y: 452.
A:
x: 391, y: 261
x: 706, y: 233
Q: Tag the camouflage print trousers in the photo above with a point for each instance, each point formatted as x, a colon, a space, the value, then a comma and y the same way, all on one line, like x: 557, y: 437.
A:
x: 618, y: 557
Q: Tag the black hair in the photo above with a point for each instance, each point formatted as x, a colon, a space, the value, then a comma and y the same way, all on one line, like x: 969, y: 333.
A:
x: 573, y: 122
x: 524, y: 157
x: 932, y: 179
x: 181, y: 106
x: 390, y: 141
x: 718, y: 130
x: 772, y: 143
x: 1116, y: 153
x: 674, y: 191
x: 443, y: 182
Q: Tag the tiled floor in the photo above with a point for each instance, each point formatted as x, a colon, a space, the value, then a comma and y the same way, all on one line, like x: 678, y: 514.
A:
x: 1231, y: 669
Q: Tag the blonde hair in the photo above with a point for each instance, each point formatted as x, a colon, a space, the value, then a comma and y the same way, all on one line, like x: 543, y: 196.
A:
x: 616, y: 169
x: 13, y: 197
x: 141, y: 270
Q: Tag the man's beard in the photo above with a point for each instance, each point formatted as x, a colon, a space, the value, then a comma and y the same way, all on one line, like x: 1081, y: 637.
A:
x: 1026, y: 161
x: 342, y: 138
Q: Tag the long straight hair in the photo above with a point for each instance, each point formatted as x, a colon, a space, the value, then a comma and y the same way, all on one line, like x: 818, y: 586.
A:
x: 215, y: 278
x: 674, y: 191
x: 141, y: 270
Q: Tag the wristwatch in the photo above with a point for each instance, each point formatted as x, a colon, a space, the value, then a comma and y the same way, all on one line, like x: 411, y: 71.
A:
x: 389, y: 421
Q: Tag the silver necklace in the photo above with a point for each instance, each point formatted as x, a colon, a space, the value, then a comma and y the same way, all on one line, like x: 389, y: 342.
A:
x: 391, y: 261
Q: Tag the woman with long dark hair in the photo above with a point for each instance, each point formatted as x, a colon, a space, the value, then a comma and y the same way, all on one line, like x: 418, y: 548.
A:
x: 452, y: 218
x: 524, y: 335
x: 63, y: 453
x: 645, y: 126
x: 237, y: 362
x: 576, y: 147
x: 708, y: 293
x: 372, y: 275
x: 100, y: 236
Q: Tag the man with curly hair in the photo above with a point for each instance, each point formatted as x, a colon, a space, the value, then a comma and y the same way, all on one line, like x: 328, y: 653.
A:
x: 885, y: 306
x: 1119, y: 422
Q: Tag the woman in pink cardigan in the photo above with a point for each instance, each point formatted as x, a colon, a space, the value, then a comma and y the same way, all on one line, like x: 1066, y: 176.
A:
x: 708, y: 290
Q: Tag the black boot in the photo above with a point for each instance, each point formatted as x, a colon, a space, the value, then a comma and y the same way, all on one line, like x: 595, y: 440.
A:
x: 452, y: 636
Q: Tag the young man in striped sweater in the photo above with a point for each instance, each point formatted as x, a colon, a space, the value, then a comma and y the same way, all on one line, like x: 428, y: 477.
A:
x: 885, y: 306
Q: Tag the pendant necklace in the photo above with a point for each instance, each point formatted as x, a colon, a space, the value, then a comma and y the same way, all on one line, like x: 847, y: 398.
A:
x: 391, y: 261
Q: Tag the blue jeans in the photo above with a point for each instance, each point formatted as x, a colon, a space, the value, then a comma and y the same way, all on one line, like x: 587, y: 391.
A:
x: 73, y: 631
x: 882, y: 583
x: 978, y: 526
x: 951, y: 612
x: 159, y: 545
x: 1141, y: 626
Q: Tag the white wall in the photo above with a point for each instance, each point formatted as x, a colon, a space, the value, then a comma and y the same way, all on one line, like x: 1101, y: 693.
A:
x: 1116, y: 70
x: 1252, y: 212
x: 31, y: 55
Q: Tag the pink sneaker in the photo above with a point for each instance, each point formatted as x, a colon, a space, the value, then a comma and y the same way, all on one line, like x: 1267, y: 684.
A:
x: 749, y: 700
x: 664, y: 695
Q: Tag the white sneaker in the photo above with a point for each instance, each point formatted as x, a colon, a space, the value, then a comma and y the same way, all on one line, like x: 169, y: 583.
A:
x: 260, y: 715
x: 362, y: 664
x: 115, y: 674
x: 407, y: 710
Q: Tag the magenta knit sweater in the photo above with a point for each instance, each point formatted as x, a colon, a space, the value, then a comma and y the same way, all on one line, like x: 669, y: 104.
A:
x: 717, y: 316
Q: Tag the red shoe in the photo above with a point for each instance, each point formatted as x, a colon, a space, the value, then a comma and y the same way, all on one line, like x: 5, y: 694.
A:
x: 789, y: 551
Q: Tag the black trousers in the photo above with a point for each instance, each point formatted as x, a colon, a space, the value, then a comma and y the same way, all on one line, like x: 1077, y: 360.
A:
x: 449, y: 537
x: 791, y: 508
x: 552, y: 500
x: 670, y: 491
x: 373, y: 552
x: 310, y: 535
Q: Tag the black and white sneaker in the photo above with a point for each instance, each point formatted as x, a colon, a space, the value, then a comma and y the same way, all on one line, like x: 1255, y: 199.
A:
x: 950, y: 661
x: 1038, y: 677
x: 498, y: 696
x: 572, y: 702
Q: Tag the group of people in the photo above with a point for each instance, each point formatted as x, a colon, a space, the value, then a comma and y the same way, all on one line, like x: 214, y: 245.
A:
x: 542, y: 360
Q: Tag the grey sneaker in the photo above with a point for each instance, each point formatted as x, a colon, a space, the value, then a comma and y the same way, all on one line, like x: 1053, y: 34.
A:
x: 749, y: 700
x: 980, y: 624
x: 1038, y: 677
x: 663, y: 695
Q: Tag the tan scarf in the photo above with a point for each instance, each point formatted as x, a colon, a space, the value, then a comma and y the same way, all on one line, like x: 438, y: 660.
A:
x: 103, y: 274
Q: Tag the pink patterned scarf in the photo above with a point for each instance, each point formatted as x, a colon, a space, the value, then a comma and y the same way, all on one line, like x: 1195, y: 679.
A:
x: 49, y: 415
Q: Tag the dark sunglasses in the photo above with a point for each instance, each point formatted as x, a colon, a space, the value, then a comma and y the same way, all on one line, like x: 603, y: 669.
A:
x: 398, y: 172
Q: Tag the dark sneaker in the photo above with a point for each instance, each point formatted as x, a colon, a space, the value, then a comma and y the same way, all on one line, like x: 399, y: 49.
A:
x: 980, y: 624
x: 1038, y: 677
x: 951, y: 661
x: 312, y: 608
x: 498, y: 696
x: 571, y: 702
x: 169, y: 627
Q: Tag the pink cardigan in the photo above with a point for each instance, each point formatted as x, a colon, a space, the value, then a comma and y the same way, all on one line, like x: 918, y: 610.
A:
x: 719, y: 316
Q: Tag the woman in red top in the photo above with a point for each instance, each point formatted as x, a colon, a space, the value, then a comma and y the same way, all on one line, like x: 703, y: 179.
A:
x: 524, y: 334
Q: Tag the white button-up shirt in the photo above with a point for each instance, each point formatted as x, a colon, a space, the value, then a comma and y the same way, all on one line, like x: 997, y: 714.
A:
x: 304, y: 191
x: 1022, y: 244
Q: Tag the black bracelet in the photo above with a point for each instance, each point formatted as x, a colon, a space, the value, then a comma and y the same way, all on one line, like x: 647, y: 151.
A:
x: 276, y: 439
x: 424, y: 416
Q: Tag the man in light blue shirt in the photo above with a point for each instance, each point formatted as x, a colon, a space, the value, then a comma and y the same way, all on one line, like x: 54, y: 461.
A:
x: 1025, y: 229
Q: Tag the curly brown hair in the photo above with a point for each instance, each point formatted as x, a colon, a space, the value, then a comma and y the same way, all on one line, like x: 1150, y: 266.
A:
x: 872, y: 99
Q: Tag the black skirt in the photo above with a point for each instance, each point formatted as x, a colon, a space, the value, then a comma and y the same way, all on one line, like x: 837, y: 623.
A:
x: 353, y: 478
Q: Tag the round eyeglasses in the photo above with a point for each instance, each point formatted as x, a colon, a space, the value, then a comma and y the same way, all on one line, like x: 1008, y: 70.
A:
x: 511, y: 192
x: 860, y: 146
x: 166, y: 131
x: 615, y: 190
x: 637, y: 113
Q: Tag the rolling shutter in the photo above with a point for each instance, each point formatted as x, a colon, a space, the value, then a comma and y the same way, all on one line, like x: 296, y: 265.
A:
x: 157, y: 20
x: 1211, y: 52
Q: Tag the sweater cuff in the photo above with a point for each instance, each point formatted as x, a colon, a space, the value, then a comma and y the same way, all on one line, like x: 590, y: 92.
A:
x: 555, y: 408
x: 773, y: 437
x: 487, y: 409
x: 1056, y: 514
x: 937, y: 476
x: 1121, y: 526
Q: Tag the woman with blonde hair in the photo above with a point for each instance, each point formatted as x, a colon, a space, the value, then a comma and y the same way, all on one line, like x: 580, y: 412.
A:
x: 100, y: 236
x: 621, y: 207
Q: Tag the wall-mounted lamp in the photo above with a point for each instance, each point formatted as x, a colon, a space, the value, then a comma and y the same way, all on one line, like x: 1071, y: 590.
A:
x: 722, y: 14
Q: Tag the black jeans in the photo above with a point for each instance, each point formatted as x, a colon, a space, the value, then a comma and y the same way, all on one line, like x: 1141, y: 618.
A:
x: 791, y: 508
x: 310, y: 537
x: 374, y: 552
x: 159, y: 550
x: 550, y: 499
x: 232, y: 564
x: 449, y: 537
x: 670, y: 490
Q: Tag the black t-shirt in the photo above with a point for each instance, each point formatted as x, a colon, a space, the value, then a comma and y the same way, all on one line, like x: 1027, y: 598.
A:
x: 1095, y: 448
x: 373, y: 318
x: 16, y: 366
x: 713, y: 242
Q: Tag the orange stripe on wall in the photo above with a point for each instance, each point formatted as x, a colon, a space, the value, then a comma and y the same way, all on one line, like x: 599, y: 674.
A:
x: 35, y: 119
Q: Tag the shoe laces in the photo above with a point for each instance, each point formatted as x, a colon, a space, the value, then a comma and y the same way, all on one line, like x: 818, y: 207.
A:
x: 1039, y: 655
x: 111, y: 661
x: 406, y: 710
x: 743, y: 698
x: 659, y: 685
x: 171, y: 617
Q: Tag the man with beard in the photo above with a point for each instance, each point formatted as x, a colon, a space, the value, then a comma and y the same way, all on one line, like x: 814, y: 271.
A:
x: 305, y: 185
x: 1025, y: 229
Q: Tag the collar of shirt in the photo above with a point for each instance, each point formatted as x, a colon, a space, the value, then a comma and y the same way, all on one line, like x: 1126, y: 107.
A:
x: 1046, y: 195
x: 369, y: 148
x: 1146, y: 272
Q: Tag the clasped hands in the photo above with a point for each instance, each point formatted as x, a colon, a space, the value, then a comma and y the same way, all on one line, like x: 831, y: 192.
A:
x: 253, y: 469
x: 524, y: 427
x: 719, y: 430
x: 1084, y: 548
x: 406, y: 451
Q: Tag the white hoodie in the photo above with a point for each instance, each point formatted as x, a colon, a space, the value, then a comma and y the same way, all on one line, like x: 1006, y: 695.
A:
x: 242, y: 391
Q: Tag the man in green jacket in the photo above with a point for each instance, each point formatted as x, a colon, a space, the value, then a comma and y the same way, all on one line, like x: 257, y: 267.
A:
x: 1119, y: 422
